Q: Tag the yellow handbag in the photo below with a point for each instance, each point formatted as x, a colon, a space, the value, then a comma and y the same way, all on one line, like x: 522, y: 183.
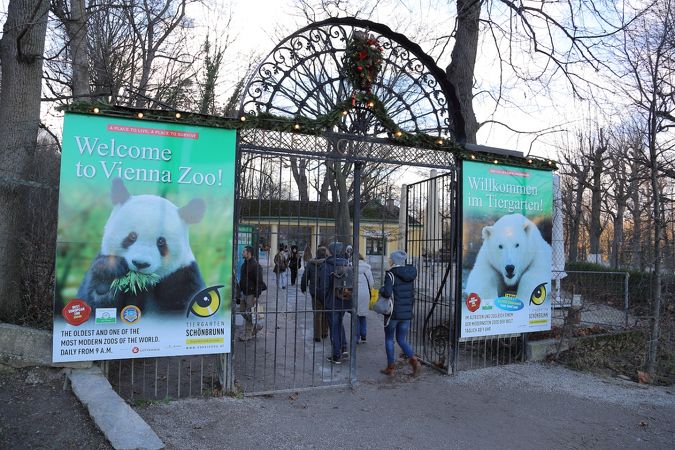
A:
x: 374, y: 293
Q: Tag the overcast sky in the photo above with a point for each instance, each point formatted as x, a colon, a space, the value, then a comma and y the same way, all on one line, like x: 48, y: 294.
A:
x: 257, y: 26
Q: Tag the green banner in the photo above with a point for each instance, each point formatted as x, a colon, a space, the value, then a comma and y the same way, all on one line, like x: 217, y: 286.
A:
x: 507, y: 215
x: 144, y: 245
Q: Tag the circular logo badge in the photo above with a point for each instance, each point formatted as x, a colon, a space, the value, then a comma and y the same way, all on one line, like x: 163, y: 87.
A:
x: 76, y: 312
x: 135, y: 350
x: 130, y: 314
x: 473, y: 302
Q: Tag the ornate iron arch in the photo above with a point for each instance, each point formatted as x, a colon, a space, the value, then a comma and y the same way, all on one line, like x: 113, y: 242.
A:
x: 302, y: 77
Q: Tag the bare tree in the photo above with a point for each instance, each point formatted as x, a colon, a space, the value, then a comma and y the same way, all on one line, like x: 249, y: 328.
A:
x: 74, y: 17
x: 21, y: 50
x: 576, y: 172
x: 597, y: 150
x: 648, y: 54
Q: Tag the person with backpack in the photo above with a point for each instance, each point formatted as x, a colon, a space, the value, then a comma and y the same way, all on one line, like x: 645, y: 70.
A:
x: 336, y: 281
x: 399, y: 286
x: 280, y: 266
x: 294, y: 263
x: 252, y: 286
x: 310, y: 281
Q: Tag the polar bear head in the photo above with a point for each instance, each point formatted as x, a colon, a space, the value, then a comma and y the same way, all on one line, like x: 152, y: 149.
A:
x: 512, y: 245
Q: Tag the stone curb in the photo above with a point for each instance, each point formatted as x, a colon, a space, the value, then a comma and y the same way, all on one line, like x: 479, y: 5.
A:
x: 539, y: 350
x: 120, y: 424
x: 28, y: 347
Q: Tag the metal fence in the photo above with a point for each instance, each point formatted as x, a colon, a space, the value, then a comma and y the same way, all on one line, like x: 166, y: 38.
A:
x: 147, y: 379
x: 593, y: 299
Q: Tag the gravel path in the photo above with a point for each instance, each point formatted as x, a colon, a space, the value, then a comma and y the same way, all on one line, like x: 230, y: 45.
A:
x: 521, y: 406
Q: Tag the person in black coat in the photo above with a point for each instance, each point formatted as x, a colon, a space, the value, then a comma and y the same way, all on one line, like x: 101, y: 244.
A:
x: 310, y: 282
x: 399, y: 283
x: 294, y: 263
x: 252, y: 285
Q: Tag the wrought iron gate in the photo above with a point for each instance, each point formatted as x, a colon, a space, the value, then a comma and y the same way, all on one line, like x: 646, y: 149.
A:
x: 303, y: 77
x: 432, y: 231
x: 430, y: 222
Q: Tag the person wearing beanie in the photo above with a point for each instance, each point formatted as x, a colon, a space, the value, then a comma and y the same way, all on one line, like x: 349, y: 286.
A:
x: 336, y: 249
x: 399, y: 286
x: 398, y: 257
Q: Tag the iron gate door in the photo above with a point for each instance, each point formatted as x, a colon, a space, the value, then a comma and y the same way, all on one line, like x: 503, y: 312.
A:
x: 430, y: 222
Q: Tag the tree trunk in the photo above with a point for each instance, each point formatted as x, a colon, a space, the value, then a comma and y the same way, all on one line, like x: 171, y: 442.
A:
x: 576, y: 224
x: 342, y: 220
x: 596, y: 199
x: 652, y: 349
x: 299, y: 169
x: 76, y: 29
x: 636, y: 250
x: 326, y: 184
x: 617, y: 242
x: 21, y: 49
x: 461, y: 68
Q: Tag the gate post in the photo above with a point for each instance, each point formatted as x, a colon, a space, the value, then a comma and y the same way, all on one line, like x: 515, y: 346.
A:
x: 457, y: 260
x: 355, y: 268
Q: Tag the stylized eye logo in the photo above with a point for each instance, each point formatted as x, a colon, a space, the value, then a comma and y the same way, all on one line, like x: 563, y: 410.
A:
x: 539, y: 294
x: 206, y: 302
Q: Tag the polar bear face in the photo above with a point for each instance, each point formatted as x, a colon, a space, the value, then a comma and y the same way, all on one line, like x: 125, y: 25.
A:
x: 512, y: 244
x: 149, y: 232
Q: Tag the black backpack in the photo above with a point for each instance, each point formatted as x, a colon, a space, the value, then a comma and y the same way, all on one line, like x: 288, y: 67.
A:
x: 343, y: 282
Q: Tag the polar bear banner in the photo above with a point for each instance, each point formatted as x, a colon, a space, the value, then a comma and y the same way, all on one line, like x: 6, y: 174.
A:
x: 513, y: 258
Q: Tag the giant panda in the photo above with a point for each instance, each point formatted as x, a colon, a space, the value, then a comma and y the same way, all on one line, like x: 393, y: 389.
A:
x: 146, y: 234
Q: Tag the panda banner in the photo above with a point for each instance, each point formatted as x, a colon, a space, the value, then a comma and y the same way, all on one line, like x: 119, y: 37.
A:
x: 507, y: 216
x: 144, y: 244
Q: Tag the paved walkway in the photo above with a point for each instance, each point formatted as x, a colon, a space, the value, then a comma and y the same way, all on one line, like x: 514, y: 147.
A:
x: 520, y: 407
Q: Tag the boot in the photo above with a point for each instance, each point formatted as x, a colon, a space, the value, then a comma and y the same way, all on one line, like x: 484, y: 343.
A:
x: 389, y: 370
x: 416, y: 366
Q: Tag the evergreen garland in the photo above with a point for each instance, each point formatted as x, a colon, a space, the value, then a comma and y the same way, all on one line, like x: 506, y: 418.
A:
x: 317, y: 127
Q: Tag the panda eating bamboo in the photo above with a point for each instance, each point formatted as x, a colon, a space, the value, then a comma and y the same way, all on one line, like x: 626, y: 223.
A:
x: 145, y: 258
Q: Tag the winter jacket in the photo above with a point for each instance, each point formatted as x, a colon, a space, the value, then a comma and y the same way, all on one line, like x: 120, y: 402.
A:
x: 366, y: 282
x: 309, y: 277
x: 251, y: 278
x: 294, y: 262
x: 280, y: 263
x: 403, y: 290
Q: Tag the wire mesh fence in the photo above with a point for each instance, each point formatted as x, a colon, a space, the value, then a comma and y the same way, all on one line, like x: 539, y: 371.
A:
x: 591, y: 298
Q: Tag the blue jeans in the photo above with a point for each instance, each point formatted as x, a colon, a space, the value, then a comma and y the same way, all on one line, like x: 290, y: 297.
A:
x: 361, y: 327
x: 335, y: 311
x: 400, y: 329
x: 282, y: 280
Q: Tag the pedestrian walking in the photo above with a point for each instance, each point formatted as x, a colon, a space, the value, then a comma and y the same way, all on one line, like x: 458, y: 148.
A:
x: 252, y: 285
x: 335, y: 304
x: 307, y: 255
x: 294, y: 263
x: 398, y: 285
x: 280, y: 267
x: 310, y: 282
x: 366, y: 281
